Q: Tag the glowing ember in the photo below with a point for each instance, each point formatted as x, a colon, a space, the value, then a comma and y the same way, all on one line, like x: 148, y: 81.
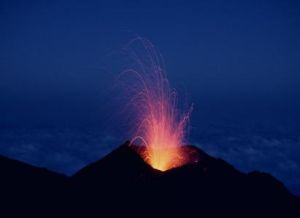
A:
x: 160, y: 126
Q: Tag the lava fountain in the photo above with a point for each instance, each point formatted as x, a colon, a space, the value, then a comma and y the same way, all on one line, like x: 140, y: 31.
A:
x: 160, y: 126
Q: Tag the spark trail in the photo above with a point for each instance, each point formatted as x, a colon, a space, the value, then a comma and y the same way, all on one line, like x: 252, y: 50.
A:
x: 160, y: 126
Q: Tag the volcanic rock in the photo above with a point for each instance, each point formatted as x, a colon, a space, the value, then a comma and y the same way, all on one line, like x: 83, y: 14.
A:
x: 123, y: 183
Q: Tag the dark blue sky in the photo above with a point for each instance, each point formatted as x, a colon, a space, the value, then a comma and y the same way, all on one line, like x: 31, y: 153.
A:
x: 238, y: 62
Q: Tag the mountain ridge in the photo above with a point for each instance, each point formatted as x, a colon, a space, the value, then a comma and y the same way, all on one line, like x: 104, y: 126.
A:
x: 122, y: 179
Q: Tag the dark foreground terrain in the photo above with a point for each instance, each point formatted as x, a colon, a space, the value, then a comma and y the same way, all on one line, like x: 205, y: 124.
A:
x: 122, y: 183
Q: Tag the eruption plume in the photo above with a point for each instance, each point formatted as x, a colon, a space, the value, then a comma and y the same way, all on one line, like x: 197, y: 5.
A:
x: 160, y: 127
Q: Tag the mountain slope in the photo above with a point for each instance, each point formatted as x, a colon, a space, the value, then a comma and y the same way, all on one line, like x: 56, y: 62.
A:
x: 123, y: 182
x: 205, y: 184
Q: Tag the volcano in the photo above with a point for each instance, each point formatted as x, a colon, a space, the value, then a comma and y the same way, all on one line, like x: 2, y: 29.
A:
x: 122, y: 182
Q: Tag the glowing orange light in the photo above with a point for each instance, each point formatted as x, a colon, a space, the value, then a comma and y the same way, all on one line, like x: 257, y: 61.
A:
x: 160, y: 126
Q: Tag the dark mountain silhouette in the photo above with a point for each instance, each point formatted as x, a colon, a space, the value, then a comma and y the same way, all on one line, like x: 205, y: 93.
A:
x: 123, y: 183
x: 25, y: 189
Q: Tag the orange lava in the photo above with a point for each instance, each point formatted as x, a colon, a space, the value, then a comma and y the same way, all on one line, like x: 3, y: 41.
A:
x: 161, y: 128
x: 161, y: 131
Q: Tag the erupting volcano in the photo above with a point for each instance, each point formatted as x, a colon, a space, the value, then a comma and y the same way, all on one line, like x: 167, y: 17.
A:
x: 161, y: 126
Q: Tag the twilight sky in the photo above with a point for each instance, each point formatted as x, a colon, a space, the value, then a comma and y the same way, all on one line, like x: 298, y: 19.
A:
x: 238, y: 62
